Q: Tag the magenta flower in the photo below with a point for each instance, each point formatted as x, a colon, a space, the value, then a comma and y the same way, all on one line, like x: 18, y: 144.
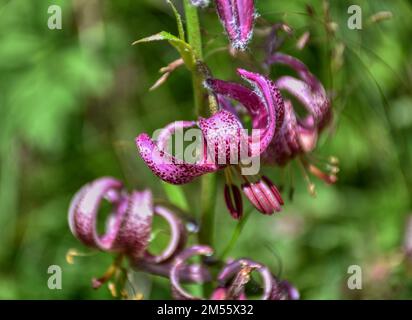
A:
x: 129, y: 227
x: 225, y: 140
x: 298, y: 135
x: 237, y: 17
x: 232, y: 279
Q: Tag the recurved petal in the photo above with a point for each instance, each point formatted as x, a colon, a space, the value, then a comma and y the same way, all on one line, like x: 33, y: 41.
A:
x: 223, y: 134
x: 128, y: 227
x: 265, y: 106
x: 239, y: 268
x: 179, y: 264
x: 167, y: 167
x: 84, y: 208
x: 248, y: 98
x: 298, y: 66
x: 135, y: 225
x: 283, y: 290
x: 285, y: 144
x: 275, y: 109
x: 315, y: 102
x: 167, y: 132
x: 177, y: 238
x: 194, y: 273
x: 310, y: 92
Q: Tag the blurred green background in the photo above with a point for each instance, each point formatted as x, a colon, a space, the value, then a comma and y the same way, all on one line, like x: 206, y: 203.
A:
x: 73, y: 100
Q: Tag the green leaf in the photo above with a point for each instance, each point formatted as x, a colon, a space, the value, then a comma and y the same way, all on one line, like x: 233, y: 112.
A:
x: 179, y: 22
x: 184, y: 49
x: 176, y: 196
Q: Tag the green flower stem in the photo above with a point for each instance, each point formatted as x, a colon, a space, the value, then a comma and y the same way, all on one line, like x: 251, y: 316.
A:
x: 235, y: 235
x: 208, y: 184
x: 193, y: 28
x: 195, y: 40
x: 208, y: 181
x: 207, y: 211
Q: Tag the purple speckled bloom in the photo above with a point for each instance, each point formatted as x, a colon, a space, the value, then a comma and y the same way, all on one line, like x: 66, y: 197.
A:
x: 297, y: 135
x: 237, y: 17
x: 232, y: 279
x: 225, y: 139
x: 129, y: 226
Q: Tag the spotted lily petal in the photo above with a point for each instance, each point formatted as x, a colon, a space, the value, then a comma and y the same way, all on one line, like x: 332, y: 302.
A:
x: 237, y: 17
x: 283, y: 290
x: 298, y: 135
x: 224, y: 135
x: 241, y: 269
x: 265, y: 105
x: 194, y: 273
x: 177, y: 240
x: 167, y: 167
x: 129, y: 225
x: 224, y: 294
x: 285, y: 144
x: 179, y: 264
x: 309, y: 91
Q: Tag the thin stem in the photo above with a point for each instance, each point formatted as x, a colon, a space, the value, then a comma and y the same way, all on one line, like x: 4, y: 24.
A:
x: 207, y: 211
x: 235, y: 235
x: 208, y: 183
x: 193, y: 28
x: 195, y: 40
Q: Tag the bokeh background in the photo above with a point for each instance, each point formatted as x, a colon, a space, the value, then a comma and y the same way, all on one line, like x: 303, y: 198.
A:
x: 73, y: 100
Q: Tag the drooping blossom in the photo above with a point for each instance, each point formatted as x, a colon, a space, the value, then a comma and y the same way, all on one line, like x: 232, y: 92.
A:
x: 226, y: 144
x: 128, y: 227
x: 300, y: 135
x: 232, y: 279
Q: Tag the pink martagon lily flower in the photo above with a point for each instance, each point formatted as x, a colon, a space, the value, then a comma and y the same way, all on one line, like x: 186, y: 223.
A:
x: 237, y: 17
x: 298, y: 135
x: 232, y: 279
x: 266, y: 107
x: 129, y: 227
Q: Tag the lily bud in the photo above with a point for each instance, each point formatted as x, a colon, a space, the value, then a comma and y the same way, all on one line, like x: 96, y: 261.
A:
x: 237, y: 17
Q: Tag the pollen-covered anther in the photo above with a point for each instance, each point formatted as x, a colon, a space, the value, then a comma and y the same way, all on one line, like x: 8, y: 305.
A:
x: 110, y: 272
x: 264, y: 195
x: 333, y: 160
x: 312, y: 189
x: 72, y: 253
x: 328, y: 178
